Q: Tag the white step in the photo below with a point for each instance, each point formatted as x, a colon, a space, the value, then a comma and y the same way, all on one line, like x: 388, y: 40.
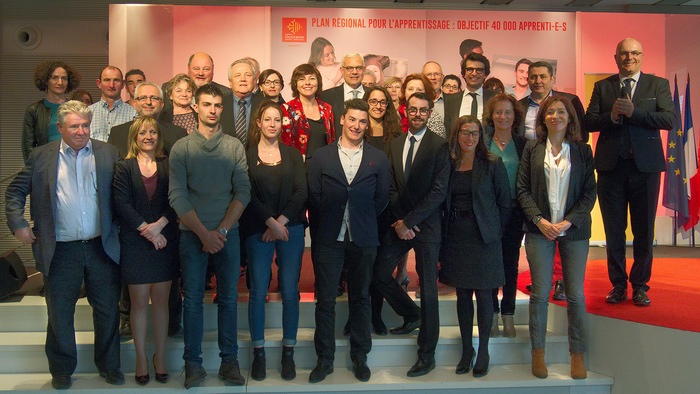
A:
x: 505, y: 379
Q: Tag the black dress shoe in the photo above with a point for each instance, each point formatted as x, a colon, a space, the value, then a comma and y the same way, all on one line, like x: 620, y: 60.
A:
x: 616, y: 295
x: 465, y: 363
x: 380, y: 328
x: 481, y: 368
x: 559, y: 292
x: 61, y: 382
x: 639, y: 297
x: 407, y: 328
x: 420, y: 368
x: 361, y: 371
x: 115, y: 377
x: 319, y: 373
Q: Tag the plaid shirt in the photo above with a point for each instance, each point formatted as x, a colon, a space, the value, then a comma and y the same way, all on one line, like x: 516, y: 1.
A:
x: 103, y: 119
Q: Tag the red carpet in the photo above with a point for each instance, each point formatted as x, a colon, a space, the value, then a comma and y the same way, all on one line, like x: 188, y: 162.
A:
x: 674, y: 293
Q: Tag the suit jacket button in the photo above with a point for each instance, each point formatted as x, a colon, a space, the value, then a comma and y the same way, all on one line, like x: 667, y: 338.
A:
x: 349, y: 188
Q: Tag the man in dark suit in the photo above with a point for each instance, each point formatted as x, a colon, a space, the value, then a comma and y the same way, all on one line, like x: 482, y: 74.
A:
x: 420, y: 170
x: 239, y: 107
x: 475, y: 68
x: 200, y: 67
x: 629, y: 109
x: 74, y: 239
x: 353, y: 70
x: 540, y: 78
x: 349, y: 187
x: 148, y: 100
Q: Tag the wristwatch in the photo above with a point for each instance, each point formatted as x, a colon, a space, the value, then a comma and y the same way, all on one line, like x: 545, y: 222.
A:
x: 223, y: 231
x: 536, y: 219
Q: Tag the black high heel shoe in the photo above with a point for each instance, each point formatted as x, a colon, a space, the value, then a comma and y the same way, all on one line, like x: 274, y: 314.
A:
x: 143, y: 379
x: 481, y: 369
x: 404, y: 283
x: 465, y: 363
x: 160, y: 377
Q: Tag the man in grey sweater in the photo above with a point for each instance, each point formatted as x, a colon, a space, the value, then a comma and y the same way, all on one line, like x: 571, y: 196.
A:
x: 209, y: 188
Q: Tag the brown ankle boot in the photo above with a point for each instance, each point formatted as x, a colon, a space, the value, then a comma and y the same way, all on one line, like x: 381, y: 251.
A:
x: 539, y: 367
x: 578, y: 366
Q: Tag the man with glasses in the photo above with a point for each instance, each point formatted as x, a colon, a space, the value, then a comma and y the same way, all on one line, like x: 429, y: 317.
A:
x: 148, y: 100
x: 110, y: 111
x: 419, y: 176
x: 629, y: 109
x: 353, y: 70
x: 475, y: 68
x: 433, y: 71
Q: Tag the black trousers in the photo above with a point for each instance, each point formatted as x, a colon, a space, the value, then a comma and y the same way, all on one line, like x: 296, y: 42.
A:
x: 72, y: 263
x: 328, y: 264
x: 389, y: 254
x: 511, y: 242
x: 619, y: 189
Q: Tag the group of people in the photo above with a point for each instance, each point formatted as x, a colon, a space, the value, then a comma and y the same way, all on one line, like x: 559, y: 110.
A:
x: 206, y: 174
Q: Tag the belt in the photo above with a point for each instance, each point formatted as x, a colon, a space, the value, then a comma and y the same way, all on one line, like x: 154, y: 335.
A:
x: 81, y: 241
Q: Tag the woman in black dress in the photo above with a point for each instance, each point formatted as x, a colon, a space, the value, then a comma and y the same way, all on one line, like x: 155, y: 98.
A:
x: 477, y: 210
x: 149, y: 240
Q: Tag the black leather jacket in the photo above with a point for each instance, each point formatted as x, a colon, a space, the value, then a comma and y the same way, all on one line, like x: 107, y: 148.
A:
x: 35, y: 129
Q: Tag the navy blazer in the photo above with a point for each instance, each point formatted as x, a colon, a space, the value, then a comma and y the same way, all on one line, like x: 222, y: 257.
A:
x: 532, y: 188
x: 38, y: 180
x: 335, y: 97
x: 491, y: 200
x: 418, y: 199
x: 653, y: 111
x: 453, y: 103
x: 367, y: 195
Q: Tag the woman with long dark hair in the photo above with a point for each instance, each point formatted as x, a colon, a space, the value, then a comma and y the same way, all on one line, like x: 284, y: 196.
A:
x: 477, y: 210
x: 557, y: 191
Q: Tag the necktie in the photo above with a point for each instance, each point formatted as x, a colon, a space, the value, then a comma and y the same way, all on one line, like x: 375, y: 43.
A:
x: 475, y: 105
x: 355, y: 93
x: 409, y: 158
x: 240, y: 123
x: 625, y: 141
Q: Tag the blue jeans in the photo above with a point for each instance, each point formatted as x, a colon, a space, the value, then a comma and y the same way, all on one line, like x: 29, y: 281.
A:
x: 193, y: 261
x: 540, y: 256
x: 289, y: 255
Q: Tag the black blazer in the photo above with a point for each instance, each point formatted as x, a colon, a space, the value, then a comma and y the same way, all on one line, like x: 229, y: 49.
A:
x: 573, y: 99
x: 490, y: 197
x: 227, y: 123
x: 336, y: 98
x: 418, y: 200
x: 367, y: 195
x: 453, y: 102
x: 653, y: 111
x: 119, y: 136
x: 293, y: 192
x: 532, y: 188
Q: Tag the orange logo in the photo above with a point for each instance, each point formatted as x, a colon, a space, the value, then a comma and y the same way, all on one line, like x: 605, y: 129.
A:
x: 293, y: 29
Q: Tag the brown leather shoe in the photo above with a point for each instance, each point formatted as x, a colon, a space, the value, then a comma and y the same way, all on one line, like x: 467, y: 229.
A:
x: 539, y: 366
x: 578, y: 366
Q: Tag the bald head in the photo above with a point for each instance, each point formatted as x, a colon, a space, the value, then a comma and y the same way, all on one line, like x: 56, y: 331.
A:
x: 433, y: 71
x: 200, y: 68
x: 629, y: 56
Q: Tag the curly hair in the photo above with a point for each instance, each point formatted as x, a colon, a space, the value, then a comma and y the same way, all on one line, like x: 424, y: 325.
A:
x: 44, y: 70
x: 391, y: 123
x: 518, y: 114
x: 176, y: 81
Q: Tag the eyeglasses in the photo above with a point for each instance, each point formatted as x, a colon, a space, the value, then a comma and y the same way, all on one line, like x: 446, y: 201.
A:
x: 448, y: 86
x: 433, y: 75
x: 353, y: 68
x: 629, y: 53
x: 473, y: 134
x: 272, y: 83
x: 144, y: 98
x: 375, y: 102
x: 413, y: 110
x: 470, y: 70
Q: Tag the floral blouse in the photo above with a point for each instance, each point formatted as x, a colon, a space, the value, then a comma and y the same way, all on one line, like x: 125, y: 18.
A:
x: 295, y: 126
